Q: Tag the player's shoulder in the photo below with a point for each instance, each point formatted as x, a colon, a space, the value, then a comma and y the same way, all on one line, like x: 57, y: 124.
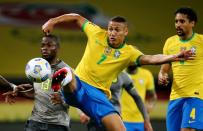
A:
x: 172, y: 38
x: 62, y: 64
x: 131, y: 47
x: 88, y: 24
x: 199, y: 36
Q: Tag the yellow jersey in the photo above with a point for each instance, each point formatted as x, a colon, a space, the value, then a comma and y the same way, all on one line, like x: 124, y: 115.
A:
x: 143, y: 81
x: 187, y: 75
x: 101, y: 64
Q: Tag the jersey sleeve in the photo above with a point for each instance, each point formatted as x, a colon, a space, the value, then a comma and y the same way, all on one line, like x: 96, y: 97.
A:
x: 136, y: 54
x: 90, y: 28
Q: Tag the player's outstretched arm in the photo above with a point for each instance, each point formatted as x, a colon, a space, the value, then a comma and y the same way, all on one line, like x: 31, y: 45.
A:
x: 25, y: 90
x: 49, y: 25
x: 161, y: 59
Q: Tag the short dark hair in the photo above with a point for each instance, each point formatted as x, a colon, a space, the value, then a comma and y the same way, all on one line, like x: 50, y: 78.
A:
x: 119, y: 19
x: 191, y: 14
x: 54, y: 38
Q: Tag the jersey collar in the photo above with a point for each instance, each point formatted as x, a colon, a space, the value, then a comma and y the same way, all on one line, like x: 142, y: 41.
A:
x: 121, y: 45
x: 188, y: 38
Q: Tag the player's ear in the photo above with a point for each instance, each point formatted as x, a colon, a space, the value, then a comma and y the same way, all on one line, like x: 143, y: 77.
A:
x: 192, y: 23
x: 126, y: 31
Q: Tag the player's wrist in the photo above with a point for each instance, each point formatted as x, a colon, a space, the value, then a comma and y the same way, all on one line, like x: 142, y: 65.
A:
x: 13, y: 86
x: 174, y: 57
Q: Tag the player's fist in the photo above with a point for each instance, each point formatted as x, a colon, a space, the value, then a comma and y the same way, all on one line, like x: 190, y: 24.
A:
x: 48, y: 26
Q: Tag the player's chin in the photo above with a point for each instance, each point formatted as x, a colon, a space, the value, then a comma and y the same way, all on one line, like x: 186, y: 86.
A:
x: 46, y: 57
x: 179, y: 33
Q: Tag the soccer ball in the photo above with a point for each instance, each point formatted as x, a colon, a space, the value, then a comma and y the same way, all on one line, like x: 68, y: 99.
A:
x: 38, y: 70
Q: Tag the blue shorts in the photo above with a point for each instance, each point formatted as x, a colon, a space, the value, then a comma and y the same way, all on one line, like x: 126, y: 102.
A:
x: 185, y: 113
x: 90, y: 100
x: 134, y: 126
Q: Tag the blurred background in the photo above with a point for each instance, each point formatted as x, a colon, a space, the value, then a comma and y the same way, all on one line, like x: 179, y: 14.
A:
x: 150, y: 23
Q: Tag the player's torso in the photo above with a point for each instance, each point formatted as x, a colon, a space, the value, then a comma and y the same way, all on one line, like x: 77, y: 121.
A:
x: 187, y: 75
x: 102, y: 63
x: 44, y: 110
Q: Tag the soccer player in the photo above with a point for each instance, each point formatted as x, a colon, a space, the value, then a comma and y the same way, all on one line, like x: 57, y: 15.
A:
x: 45, y: 115
x: 144, y: 84
x: 106, y: 55
x: 186, y: 99
x: 122, y: 83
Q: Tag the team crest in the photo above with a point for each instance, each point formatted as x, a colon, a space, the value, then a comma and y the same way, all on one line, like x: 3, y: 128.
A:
x: 141, y: 81
x: 107, y: 50
x: 193, y: 50
x: 117, y: 54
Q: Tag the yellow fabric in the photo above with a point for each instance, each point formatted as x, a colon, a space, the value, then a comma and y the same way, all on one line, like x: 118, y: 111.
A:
x: 100, y: 63
x: 143, y: 81
x: 187, y: 75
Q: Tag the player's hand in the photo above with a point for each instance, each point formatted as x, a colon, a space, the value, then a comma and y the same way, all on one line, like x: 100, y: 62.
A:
x: 149, y: 106
x: 147, y: 126
x: 56, y: 98
x: 11, y: 95
x: 185, y: 55
x: 48, y: 26
x: 84, y: 119
x: 163, y: 79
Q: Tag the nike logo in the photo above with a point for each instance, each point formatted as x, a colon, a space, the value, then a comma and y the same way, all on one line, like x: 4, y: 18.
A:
x: 191, y: 121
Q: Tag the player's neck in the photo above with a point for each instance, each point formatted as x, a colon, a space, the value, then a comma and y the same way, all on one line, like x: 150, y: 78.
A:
x: 187, y: 37
x: 116, y: 46
x: 54, y: 61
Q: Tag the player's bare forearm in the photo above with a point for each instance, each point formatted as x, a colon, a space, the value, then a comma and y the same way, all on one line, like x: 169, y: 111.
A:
x: 28, y: 94
x: 25, y: 90
x: 156, y: 59
x: 161, y: 59
x: 48, y: 26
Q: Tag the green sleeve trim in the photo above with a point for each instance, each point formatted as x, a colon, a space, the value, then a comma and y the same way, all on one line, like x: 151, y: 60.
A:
x: 137, y: 62
x: 84, y: 25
